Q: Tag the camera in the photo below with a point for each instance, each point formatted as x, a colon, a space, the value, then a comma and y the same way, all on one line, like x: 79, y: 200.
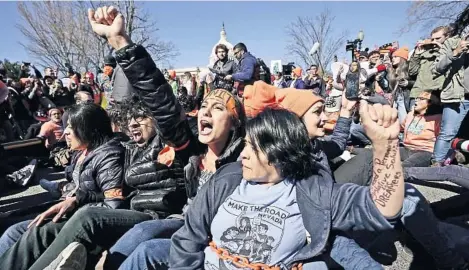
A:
x: 351, y: 46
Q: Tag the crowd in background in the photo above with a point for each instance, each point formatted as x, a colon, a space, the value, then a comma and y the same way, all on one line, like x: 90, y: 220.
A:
x: 236, y: 167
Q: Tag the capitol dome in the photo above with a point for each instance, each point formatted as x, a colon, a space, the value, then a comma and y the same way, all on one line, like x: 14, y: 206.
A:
x: 213, y: 57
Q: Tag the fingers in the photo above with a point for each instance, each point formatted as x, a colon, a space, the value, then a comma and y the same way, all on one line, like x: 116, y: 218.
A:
x: 378, y: 108
x: 387, y: 116
x: 364, y: 114
x: 30, y: 225
x: 91, y: 15
x: 59, y: 214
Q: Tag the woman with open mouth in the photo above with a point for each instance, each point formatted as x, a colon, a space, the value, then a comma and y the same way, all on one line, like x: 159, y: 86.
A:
x: 287, y: 198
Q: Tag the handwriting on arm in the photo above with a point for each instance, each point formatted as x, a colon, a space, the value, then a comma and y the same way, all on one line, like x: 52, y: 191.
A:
x: 387, y: 185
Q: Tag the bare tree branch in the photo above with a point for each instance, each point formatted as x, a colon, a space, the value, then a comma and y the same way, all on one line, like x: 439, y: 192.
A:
x: 306, y: 31
x: 58, y: 32
x: 426, y: 15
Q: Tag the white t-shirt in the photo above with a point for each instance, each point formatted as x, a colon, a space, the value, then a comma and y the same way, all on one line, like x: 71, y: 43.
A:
x: 262, y: 223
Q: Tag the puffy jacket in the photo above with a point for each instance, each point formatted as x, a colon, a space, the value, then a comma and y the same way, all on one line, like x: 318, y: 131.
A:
x: 174, y: 129
x: 159, y: 188
x: 454, y: 70
x: 102, y: 172
x: 121, y: 87
x: 422, y: 67
x: 323, y: 204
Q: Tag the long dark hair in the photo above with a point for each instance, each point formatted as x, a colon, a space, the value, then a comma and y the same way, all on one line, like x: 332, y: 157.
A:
x: 91, y: 124
x: 283, y: 138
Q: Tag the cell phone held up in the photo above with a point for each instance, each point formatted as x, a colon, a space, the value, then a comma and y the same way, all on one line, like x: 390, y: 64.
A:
x: 352, y: 86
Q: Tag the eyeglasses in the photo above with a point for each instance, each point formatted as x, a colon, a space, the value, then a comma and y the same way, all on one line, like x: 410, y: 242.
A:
x: 236, y: 53
x: 421, y: 98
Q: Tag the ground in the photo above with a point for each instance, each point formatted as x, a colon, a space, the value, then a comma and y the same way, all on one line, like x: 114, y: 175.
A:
x: 34, y: 195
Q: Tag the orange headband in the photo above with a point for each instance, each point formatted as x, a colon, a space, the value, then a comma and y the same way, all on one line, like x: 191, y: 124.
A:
x: 227, y: 98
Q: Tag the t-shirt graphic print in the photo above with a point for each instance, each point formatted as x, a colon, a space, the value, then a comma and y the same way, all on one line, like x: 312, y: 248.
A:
x: 258, y: 222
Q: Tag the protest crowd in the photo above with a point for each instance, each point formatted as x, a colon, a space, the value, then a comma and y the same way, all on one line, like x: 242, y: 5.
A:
x: 238, y: 167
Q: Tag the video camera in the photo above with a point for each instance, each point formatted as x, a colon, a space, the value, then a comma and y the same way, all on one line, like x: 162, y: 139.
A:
x: 351, y: 46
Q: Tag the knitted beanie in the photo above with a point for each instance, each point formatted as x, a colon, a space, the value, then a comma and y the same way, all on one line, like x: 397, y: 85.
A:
x: 402, y: 52
x: 257, y: 97
x: 297, y: 101
x: 297, y: 71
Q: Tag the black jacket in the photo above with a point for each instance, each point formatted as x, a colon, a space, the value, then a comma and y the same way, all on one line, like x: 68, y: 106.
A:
x: 174, y: 129
x: 102, y: 170
x: 325, y: 207
x: 221, y: 69
x: 158, y: 188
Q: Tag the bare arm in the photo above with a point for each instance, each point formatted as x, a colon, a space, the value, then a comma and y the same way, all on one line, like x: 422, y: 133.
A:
x: 382, y: 126
x: 387, y: 186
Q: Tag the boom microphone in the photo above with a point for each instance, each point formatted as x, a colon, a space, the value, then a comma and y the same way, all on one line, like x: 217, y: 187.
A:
x: 314, y: 49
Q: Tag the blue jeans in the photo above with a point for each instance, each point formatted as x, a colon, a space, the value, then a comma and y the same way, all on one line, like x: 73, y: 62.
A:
x: 12, y: 235
x: 400, y: 105
x: 453, y: 173
x: 453, y: 115
x: 439, y: 239
x: 129, y: 250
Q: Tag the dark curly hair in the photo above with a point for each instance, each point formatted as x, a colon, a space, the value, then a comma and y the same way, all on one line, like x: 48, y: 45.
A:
x: 283, y: 138
x: 133, y: 107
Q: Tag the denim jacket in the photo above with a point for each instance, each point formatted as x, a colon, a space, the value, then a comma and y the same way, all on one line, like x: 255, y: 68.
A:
x: 326, y: 208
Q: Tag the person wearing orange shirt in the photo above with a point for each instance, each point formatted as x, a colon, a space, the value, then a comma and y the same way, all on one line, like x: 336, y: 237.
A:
x: 52, y: 131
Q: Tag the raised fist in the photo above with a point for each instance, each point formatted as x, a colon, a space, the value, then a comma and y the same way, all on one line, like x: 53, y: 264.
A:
x: 380, y: 122
x: 109, y: 23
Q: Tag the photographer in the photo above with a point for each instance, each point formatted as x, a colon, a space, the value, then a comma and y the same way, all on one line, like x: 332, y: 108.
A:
x: 314, y: 82
x: 452, y: 63
x: 422, y: 61
x: 223, y: 67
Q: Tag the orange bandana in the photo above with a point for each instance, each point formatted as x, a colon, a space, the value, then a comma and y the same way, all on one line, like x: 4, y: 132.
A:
x: 227, y: 98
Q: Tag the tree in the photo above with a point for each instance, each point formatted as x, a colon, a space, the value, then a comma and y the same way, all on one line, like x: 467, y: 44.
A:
x: 12, y: 69
x: 426, y: 15
x: 306, y: 31
x: 59, y: 33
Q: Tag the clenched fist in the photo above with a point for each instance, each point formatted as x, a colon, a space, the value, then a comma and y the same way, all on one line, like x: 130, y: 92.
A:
x: 380, y: 122
x: 109, y: 23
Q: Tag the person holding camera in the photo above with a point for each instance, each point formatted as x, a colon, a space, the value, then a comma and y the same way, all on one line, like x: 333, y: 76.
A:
x: 452, y: 64
x: 315, y: 82
x: 422, y: 60
x: 222, y: 68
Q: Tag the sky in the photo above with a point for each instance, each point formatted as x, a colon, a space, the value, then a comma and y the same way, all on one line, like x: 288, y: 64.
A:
x: 194, y: 27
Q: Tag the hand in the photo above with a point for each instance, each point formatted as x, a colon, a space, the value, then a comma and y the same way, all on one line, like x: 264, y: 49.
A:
x: 403, y: 83
x: 59, y: 209
x: 380, y: 122
x: 109, y: 23
x: 378, y: 77
x: 341, y: 69
x: 462, y: 47
x: 228, y: 77
x: 347, y: 106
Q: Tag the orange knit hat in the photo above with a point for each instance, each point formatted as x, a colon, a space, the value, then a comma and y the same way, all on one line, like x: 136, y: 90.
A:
x: 402, y: 52
x: 297, y: 101
x: 297, y: 71
x: 257, y: 97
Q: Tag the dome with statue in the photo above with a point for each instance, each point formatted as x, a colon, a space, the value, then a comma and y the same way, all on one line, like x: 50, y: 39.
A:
x: 213, y: 57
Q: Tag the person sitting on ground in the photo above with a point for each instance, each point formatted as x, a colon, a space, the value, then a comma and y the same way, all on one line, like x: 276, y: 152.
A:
x: 98, y: 177
x: 278, y: 168
x: 421, y: 128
